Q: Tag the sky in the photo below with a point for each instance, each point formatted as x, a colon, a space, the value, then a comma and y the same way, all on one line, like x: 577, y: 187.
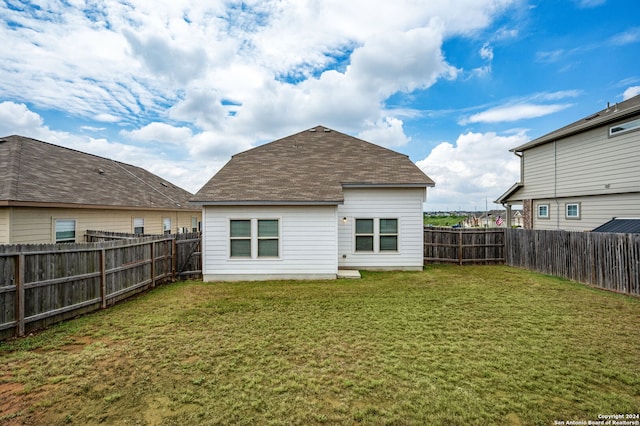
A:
x: 179, y: 86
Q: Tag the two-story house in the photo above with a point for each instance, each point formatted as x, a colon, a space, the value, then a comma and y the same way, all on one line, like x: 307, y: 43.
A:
x: 581, y: 175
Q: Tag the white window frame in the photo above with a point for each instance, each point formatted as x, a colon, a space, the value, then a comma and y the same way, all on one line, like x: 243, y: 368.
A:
x: 540, y: 216
x: 376, y: 235
x: 137, y: 221
x: 623, y: 128
x: 255, y: 238
x: 577, y: 216
x: 194, y: 224
x: 166, y: 225
x: 55, y: 230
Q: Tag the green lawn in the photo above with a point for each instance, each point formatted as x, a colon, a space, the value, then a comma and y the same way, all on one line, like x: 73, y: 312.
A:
x: 451, y: 345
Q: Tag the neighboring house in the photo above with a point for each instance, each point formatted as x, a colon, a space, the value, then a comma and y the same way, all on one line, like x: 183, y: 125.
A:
x: 53, y: 194
x: 310, y: 204
x: 582, y: 175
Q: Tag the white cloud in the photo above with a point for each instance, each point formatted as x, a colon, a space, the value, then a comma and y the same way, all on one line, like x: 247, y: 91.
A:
x: 631, y: 92
x: 387, y: 132
x: 17, y: 119
x: 585, y: 4
x: 478, y: 166
x: 486, y: 52
x: 510, y: 113
x: 106, y: 118
x: 159, y: 132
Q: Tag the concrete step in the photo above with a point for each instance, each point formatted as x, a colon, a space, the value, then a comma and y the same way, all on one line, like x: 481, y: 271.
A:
x: 348, y: 273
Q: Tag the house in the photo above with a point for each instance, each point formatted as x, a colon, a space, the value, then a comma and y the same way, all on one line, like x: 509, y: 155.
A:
x: 307, y: 205
x: 580, y: 176
x: 51, y: 194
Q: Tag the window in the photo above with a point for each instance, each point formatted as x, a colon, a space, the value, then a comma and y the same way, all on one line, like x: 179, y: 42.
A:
x: 388, y: 234
x: 138, y: 225
x: 194, y: 224
x: 543, y: 211
x: 166, y: 225
x: 240, y: 233
x: 376, y: 235
x: 268, y: 238
x: 364, y: 235
x: 65, y: 230
x: 624, y: 127
x: 572, y: 211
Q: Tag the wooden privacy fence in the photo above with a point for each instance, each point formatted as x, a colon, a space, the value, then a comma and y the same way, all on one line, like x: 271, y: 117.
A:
x: 463, y: 245
x: 605, y: 260
x: 45, y: 284
x: 186, y: 247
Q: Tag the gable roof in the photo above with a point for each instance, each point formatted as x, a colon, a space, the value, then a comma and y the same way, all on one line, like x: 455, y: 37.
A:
x: 33, y: 172
x: 620, y: 225
x: 613, y: 113
x: 312, y: 166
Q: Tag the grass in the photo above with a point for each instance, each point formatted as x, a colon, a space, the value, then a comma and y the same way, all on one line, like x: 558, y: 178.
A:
x: 443, y: 220
x: 459, y: 346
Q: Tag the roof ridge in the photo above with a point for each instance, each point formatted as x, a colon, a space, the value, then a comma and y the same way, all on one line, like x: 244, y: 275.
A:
x: 145, y: 182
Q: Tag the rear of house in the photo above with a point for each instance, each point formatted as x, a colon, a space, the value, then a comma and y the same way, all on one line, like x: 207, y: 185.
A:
x: 51, y: 194
x: 306, y: 205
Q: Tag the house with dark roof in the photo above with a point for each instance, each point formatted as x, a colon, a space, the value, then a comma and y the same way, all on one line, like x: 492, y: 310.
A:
x: 580, y: 176
x: 311, y: 204
x: 52, y: 194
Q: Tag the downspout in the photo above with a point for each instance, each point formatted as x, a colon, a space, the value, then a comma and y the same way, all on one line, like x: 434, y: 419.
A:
x: 555, y: 183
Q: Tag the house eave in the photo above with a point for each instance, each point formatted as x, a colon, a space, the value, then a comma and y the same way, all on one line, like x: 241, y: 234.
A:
x: 579, y: 128
x: 267, y: 203
x: 41, y: 204
x: 388, y: 185
x: 505, y: 197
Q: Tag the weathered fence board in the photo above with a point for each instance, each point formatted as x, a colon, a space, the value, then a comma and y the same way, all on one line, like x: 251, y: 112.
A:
x: 44, y: 284
x: 608, y: 261
x: 463, y: 245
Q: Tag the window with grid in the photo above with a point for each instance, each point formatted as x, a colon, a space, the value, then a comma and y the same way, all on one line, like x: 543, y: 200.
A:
x: 166, y: 225
x: 240, y: 232
x: 268, y: 238
x: 573, y: 211
x: 388, y: 234
x: 364, y: 234
x: 543, y: 211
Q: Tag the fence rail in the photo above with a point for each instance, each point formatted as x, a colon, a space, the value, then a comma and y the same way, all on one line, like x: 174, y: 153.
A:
x: 48, y: 283
x: 605, y: 260
x: 463, y: 245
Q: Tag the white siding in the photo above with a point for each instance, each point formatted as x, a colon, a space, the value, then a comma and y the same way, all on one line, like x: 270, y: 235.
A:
x: 403, y: 204
x: 308, y: 244
x: 594, y: 211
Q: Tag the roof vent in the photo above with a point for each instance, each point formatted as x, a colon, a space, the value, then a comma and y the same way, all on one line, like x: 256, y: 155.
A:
x: 312, y: 130
x: 616, y: 108
x: 100, y: 171
x: 164, y: 184
x: 591, y: 117
x: 327, y: 130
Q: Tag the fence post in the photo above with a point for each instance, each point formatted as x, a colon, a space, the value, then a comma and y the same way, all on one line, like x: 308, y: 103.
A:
x: 20, y: 294
x: 460, y: 250
x: 103, y: 278
x: 153, y: 264
x: 174, y: 258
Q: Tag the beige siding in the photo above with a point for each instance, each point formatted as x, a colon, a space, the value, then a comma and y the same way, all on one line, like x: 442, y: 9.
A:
x: 538, y: 172
x: 36, y: 225
x: 4, y: 225
x: 590, y: 163
x: 594, y: 211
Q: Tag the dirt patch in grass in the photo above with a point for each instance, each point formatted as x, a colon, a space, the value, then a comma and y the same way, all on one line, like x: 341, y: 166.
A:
x: 472, y: 345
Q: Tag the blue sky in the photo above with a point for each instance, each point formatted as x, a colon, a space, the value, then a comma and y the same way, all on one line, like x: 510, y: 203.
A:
x: 177, y: 86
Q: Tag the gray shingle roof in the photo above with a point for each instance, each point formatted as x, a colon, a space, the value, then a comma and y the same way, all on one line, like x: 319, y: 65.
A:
x: 308, y: 167
x: 613, y: 113
x: 33, y: 171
